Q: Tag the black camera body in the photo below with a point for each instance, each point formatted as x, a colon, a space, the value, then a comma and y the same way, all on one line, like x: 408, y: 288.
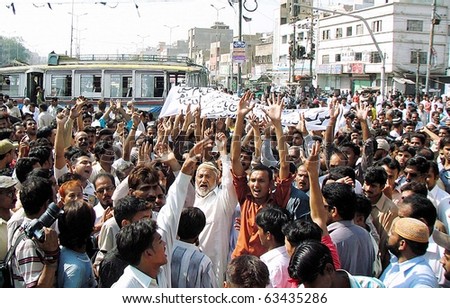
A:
x: 34, y: 229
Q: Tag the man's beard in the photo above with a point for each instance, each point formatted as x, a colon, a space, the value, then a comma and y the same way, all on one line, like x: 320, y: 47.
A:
x: 394, y: 249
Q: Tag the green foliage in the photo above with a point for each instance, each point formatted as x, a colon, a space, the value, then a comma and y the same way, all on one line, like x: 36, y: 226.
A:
x: 12, y: 48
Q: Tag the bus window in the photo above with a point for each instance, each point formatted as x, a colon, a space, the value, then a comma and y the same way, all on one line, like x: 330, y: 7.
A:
x: 159, y: 86
x: 61, y: 85
x: 147, y: 84
x: 90, y: 85
x: 121, y: 86
x: 9, y: 85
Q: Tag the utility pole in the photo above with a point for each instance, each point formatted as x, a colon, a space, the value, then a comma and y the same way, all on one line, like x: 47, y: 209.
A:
x: 239, y: 77
x: 294, y: 51
x: 417, y: 75
x: 434, y: 21
x: 311, y: 44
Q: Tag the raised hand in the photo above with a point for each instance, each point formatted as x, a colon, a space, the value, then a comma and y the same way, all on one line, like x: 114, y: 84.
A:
x: 221, y: 141
x: 244, y: 106
x: 334, y: 109
x: 362, y: 112
x: 144, y: 153
x: 312, y: 163
x: 164, y: 152
x: 198, y: 148
x: 275, y: 109
x: 136, y: 118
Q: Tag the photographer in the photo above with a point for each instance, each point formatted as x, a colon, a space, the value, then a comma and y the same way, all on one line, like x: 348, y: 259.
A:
x: 34, y: 263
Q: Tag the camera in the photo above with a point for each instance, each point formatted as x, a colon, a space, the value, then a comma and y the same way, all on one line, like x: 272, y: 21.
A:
x: 35, y: 227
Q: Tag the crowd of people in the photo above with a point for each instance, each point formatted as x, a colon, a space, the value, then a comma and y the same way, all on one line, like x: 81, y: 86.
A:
x: 101, y: 194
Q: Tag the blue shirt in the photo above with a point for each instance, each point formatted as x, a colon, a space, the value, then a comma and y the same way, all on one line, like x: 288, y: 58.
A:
x: 75, y: 270
x: 413, y: 273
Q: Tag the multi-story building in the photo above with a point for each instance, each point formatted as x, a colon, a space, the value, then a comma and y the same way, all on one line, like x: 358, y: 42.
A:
x: 349, y: 45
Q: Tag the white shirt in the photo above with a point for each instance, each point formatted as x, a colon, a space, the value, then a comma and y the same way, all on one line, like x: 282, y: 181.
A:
x: 218, y: 207
x: 134, y: 278
x: 167, y: 221
x: 277, y: 261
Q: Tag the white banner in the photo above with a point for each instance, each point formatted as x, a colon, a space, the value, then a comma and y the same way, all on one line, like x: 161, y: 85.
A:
x: 216, y: 104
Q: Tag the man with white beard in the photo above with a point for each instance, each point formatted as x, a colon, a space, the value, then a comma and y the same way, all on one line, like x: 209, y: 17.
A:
x: 218, y: 204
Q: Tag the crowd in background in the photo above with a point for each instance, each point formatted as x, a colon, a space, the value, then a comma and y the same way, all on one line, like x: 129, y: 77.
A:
x: 243, y: 201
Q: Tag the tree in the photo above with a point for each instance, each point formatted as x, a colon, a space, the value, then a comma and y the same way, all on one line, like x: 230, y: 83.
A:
x: 12, y: 48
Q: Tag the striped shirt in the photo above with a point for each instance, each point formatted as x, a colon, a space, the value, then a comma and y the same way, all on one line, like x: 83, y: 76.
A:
x: 190, y: 267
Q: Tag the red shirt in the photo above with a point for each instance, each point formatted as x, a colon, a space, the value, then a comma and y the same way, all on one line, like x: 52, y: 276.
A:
x: 248, y: 240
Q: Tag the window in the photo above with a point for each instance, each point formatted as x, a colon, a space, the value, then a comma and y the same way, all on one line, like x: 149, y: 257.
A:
x: 422, y: 57
x: 358, y: 56
x: 359, y: 29
x: 61, y: 85
x: 301, y: 36
x: 325, y: 34
x: 349, y: 31
x: 121, y: 86
x: 325, y: 59
x: 284, y: 39
x: 90, y: 84
x: 338, y: 32
x: 414, y: 25
x: 376, y: 26
x: 375, y: 57
x: 337, y: 57
x: 152, y: 86
x: 9, y: 84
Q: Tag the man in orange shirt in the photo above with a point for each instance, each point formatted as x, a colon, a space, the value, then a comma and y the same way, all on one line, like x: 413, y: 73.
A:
x: 257, y: 192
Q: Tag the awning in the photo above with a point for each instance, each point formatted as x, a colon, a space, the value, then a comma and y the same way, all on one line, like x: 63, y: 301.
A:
x: 403, y: 80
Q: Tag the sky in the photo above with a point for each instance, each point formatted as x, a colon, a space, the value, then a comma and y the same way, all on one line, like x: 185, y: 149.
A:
x: 118, y: 26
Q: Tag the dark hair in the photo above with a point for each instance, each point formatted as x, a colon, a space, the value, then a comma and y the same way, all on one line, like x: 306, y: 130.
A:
x: 419, y: 136
x: 103, y: 175
x: 389, y: 162
x: 142, y: 174
x: 41, y: 172
x: 342, y: 197
x: 35, y: 193
x: 422, y: 208
x: 101, y: 147
x: 24, y: 166
x: 309, y: 261
x: 261, y: 167
x: 192, y: 222
x: 433, y: 168
x: 66, y: 177
x: 340, y: 172
x: 247, y: 271
x: 90, y: 129
x: 77, y: 154
x: 135, y: 238
x: 127, y: 207
x: 420, y: 163
x: 41, y: 153
x: 272, y: 219
x: 416, y: 187
x: 407, y: 148
x: 444, y: 141
x: 427, y: 153
x: 297, y: 231
x: 419, y: 249
x: 356, y: 149
x: 376, y: 175
x: 44, y: 107
x: 44, y: 132
x: 363, y: 206
x: 75, y: 224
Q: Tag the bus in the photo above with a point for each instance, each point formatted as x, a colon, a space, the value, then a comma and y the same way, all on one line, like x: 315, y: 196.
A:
x: 143, y: 79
